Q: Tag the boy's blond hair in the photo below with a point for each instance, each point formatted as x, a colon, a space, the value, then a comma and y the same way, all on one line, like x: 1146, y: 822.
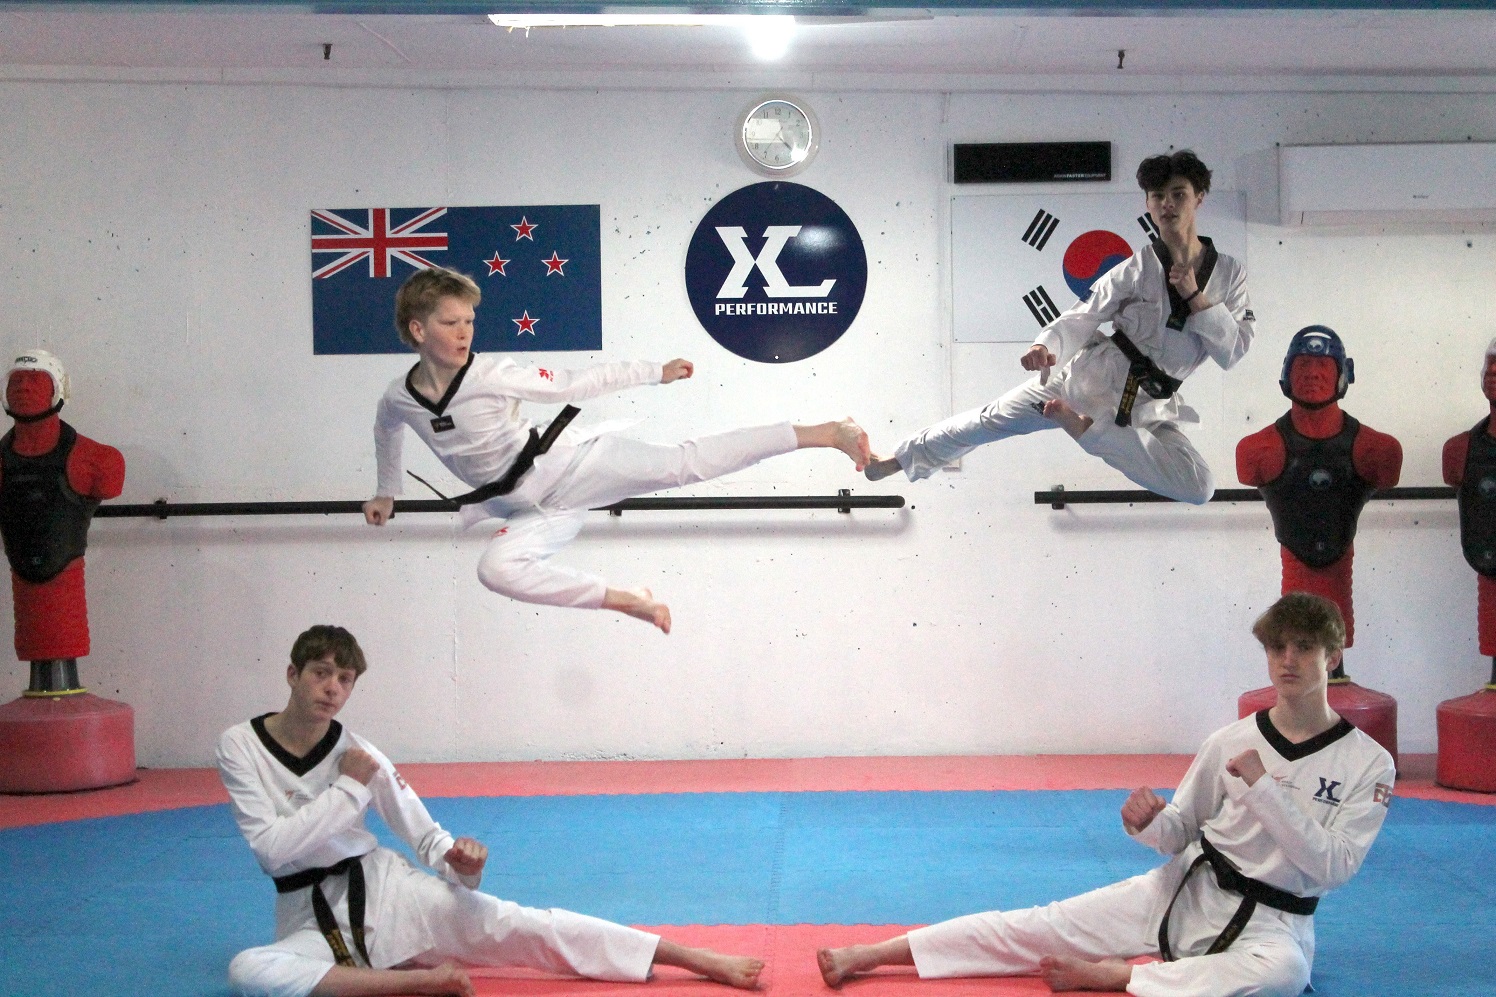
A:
x: 424, y: 290
x: 1299, y: 614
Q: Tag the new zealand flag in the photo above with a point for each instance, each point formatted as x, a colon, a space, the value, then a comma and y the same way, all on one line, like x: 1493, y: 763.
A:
x: 540, y: 268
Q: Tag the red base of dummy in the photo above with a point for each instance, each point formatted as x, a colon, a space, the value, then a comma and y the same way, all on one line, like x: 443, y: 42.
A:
x: 1467, y: 742
x: 65, y: 744
x: 1370, y: 711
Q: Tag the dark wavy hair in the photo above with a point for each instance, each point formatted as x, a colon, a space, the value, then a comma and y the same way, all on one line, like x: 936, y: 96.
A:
x: 1155, y: 172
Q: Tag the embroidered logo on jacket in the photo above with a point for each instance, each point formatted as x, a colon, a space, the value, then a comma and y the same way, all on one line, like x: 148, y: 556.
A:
x: 1382, y: 794
x: 1326, y: 792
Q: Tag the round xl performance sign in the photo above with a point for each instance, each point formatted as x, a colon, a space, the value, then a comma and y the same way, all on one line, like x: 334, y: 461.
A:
x: 776, y: 272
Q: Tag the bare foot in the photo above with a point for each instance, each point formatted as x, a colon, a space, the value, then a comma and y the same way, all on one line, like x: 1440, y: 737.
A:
x: 739, y: 971
x: 1066, y: 973
x: 640, y: 604
x: 1070, y: 420
x: 835, y: 966
x: 448, y: 978
x: 845, y: 436
x: 879, y: 468
x: 852, y: 441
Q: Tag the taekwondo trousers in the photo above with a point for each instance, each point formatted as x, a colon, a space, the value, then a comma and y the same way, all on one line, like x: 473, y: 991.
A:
x: 451, y: 922
x: 547, y: 510
x: 1156, y: 455
x: 1271, y: 957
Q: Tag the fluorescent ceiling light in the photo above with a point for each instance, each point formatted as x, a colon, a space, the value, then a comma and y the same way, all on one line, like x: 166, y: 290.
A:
x: 768, y: 34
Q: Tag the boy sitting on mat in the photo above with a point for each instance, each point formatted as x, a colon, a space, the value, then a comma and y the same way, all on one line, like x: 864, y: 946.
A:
x: 465, y: 407
x: 1276, y: 810
x: 354, y: 918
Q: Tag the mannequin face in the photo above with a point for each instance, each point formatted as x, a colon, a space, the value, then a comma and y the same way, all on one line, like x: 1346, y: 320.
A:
x: 1487, y: 380
x: 1313, y: 380
x: 28, y: 392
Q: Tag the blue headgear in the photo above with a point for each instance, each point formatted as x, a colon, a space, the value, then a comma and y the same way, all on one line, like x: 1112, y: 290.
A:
x: 1319, y: 341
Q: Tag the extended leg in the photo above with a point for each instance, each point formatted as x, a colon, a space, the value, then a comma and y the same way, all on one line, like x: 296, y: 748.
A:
x: 1160, y: 458
x: 919, y: 456
x: 734, y: 970
x: 839, y: 965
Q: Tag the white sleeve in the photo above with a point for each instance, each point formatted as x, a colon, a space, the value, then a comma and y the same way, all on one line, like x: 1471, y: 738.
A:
x: 389, y: 442
x: 1226, y: 327
x: 1196, y: 800
x: 1075, y: 328
x: 408, y: 818
x: 540, y: 384
x: 278, y: 841
x: 1329, y: 856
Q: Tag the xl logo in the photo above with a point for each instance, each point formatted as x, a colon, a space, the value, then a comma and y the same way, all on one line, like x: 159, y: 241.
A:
x: 1326, y: 792
x: 744, y: 262
x: 776, y: 272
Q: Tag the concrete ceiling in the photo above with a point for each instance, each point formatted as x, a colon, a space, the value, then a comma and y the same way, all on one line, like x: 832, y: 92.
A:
x: 903, y: 44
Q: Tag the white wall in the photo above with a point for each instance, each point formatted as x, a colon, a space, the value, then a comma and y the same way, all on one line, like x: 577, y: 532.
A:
x: 155, y: 236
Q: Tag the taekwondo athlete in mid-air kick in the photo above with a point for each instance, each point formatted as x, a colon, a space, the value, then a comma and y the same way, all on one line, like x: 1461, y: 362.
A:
x: 465, y: 407
x: 354, y: 918
x: 1172, y: 305
x: 1282, y: 806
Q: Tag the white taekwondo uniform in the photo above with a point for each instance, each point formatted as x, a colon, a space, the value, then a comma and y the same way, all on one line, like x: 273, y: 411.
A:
x: 1090, y: 373
x: 477, y: 432
x: 1303, y: 828
x: 301, y: 813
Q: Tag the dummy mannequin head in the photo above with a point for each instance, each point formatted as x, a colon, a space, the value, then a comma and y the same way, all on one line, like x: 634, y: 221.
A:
x: 1315, y: 353
x: 36, y: 386
x: 1488, y: 374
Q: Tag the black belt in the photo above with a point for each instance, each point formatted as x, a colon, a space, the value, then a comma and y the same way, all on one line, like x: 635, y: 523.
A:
x: 537, y: 444
x: 1253, y: 892
x: 1143, y: 373
x: 326, y: 923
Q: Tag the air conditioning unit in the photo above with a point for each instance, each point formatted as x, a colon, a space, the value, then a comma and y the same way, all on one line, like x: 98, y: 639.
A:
x: 1410, y: 182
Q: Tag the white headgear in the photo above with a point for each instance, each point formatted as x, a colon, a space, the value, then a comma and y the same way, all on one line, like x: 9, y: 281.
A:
x: 42, y: 360
x: 1491, y: 349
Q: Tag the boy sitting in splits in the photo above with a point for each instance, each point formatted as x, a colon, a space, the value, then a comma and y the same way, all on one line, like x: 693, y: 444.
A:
x: 1277, y: 809
x: 354, y: 918
x: 465, y: 407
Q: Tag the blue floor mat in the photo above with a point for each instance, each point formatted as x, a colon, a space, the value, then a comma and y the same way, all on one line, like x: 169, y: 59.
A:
x: 156, y: 904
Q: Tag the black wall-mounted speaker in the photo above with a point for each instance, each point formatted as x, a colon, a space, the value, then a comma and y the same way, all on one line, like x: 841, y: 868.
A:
x: 1032, y: 162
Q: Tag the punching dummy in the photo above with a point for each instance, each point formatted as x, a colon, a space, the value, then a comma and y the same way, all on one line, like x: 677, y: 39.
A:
x: 51, y: 480
x: 1467, y: 726
x: 1316, y: 467
x: 57, y: 737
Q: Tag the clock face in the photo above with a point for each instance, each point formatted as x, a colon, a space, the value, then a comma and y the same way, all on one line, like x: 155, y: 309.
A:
x: 778, y: 137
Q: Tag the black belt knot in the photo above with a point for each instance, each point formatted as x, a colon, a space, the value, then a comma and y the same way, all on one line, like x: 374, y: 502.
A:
x: 353, y: 868
x: 1252, y: 891
x: 537, y: 444
x: 1142, y: 373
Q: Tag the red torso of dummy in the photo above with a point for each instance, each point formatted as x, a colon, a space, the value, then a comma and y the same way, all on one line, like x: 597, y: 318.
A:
x: 1456, y: 449
x: 52, y: 616
x: 1377, y: 458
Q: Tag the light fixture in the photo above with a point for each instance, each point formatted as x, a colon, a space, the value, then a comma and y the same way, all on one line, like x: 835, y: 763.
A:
x: 768, y: 35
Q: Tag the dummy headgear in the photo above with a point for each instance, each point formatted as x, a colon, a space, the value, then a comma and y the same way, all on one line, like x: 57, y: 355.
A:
x: 1319, y: 341
x: 44, y: 361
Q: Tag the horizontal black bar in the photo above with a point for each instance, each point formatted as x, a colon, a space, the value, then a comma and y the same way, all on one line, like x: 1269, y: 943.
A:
x: 1058, y: 498
x: 162, y: 509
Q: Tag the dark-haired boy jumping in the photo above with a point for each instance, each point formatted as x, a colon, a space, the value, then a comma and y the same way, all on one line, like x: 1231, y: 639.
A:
x: 1172, y: 305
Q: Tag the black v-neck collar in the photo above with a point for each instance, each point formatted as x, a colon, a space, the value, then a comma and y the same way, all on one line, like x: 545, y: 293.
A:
x: 298, y: 766
x: 1179, y: 309
x: 438, y: 407
x: 1293, y: 752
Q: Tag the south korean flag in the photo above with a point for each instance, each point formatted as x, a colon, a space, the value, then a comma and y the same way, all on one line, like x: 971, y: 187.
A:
x: 1019, y: 260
